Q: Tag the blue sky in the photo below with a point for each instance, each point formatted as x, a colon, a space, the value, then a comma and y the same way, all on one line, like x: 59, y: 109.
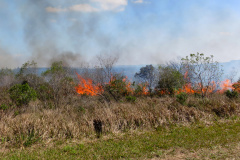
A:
x: 138, y: 31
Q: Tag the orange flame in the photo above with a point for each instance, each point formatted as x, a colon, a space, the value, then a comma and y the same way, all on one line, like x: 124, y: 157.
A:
x: 187, y: 88
x: 128, y: 85
x: 85, y: 86
x: 144, y: 89
x: 226, y: 85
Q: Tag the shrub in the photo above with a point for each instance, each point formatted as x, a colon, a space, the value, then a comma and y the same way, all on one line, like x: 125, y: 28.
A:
x: 170, y: 80
x: 182, y: 97
x: 130, y: 98
x: 44, y: 92
x: 118, y: 87
x: 22, y: 94
x: 60, y: 84
x: 231, y: 94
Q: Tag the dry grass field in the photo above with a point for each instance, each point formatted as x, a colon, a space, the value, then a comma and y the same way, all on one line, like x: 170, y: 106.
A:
x: 149, y: 128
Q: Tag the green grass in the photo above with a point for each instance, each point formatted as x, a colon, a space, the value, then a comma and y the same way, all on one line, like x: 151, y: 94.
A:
x: 197, y: 138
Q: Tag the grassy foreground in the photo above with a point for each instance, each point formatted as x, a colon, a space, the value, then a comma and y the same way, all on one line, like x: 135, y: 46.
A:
x: 195, y: 141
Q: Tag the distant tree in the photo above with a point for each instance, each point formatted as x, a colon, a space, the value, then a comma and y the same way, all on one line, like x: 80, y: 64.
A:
x: 28, y: 72
x: 202, y: 72
x: 27, y: 68
x: 147, y: 75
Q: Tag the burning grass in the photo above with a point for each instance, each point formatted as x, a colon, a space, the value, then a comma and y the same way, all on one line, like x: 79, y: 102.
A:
x: 87, y: 87
x: 124, y: 87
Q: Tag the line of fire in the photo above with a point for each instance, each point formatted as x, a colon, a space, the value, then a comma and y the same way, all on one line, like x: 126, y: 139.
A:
x: 87, y: 87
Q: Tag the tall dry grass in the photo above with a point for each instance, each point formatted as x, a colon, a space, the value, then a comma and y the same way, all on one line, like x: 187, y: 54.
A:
x: 24, y: 126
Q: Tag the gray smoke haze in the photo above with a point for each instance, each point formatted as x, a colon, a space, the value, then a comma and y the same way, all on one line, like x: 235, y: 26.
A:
x: 9, y: 60
x: 76, y: 33
x: 47, y: 39
x: 85, y: 36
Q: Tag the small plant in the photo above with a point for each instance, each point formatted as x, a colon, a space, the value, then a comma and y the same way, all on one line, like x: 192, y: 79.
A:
x: 31, y: 138
x: 130, y: 98
x: 182, y: 97
x: 16, y: 113
x: 22, y: 94
x: 81, y: 109
x: 4, y: 107
x: 231, y: 94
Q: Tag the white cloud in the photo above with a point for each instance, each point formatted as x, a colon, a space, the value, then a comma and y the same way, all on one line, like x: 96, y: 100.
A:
x: 116, y: 2
x: 99, y: 5
x: 82, y: 8
x: 138, y: 1
x: 55, y: 10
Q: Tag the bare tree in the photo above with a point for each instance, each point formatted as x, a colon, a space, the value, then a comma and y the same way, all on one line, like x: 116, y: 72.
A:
x: 232, y: 74
x: 202, y: 72
x: 106, y: 63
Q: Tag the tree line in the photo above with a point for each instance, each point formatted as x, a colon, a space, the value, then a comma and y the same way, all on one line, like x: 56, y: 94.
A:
x: 56, y: 85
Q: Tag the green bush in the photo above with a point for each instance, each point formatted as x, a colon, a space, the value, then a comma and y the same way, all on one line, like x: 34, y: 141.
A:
x: 231, y: 94
x: 118, y: 87
x: 182, y: 97
x: 130, y: 98
x: 170, y: 80
x: 22, y: 94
